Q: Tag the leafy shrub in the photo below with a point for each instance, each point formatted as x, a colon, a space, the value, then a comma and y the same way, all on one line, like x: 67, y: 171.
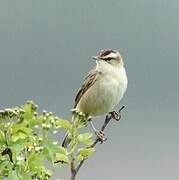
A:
x: 27, y: 142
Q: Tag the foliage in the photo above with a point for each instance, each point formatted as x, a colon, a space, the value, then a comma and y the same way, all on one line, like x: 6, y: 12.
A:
x: 27, y: 142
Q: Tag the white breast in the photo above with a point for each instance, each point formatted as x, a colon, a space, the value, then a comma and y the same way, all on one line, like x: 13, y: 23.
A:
x: 115, y: 84
x: 106, y: 92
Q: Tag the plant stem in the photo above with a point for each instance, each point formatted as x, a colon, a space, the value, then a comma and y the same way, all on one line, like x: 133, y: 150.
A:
x: 72, y: 164
x: 73, y: 174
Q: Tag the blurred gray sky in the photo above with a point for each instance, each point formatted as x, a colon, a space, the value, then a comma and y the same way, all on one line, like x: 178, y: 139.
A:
x: 46, y: 48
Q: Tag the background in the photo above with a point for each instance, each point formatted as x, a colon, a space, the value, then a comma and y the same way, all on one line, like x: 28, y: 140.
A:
x: 45, y: 51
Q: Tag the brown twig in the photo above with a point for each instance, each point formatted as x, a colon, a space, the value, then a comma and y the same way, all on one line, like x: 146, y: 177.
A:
x: 107, y: 120
x: 73, y: 170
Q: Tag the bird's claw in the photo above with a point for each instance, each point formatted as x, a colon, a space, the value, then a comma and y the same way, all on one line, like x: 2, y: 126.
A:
x: 115, y: 115
x: 101, y: 136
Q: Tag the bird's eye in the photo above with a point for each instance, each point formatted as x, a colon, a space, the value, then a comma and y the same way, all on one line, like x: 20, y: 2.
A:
x: 108, y: 59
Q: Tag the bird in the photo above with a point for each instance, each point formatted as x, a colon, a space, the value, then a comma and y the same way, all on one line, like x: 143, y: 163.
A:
x: 103, y: 87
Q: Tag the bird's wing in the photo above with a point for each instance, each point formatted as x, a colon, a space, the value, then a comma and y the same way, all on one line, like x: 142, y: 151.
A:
x: 90, y: 79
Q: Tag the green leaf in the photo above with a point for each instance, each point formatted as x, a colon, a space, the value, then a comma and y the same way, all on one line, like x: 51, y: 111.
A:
x: 19, y: 144
x: 28, y: 112
x: 50, y: 151
x: 62, y: 150
x: 36, y: 121
x: 49, y: 154
x: 13, y: 176
x: 23, y: 175
x: 64, y: 124
x: 85, y: 138
x: 56, y: 148
x: 2, y: 139
x: 18, y: 136
x: 2, y: 126
x: 21, y: 141
x: 83, y: 153
x: 62, y: 157
x: 21, y: 129
x: 80, y: 157
x: 5, y: 167
x: 36, y: 162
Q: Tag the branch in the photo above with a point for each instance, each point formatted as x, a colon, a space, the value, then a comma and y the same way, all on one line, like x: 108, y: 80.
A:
x: 107, y: 120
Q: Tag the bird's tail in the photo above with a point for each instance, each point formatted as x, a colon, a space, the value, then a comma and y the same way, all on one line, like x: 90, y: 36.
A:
x: 66, y: 141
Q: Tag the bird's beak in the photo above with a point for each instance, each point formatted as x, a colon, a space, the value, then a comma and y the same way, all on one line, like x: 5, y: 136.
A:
x: 95, y: 58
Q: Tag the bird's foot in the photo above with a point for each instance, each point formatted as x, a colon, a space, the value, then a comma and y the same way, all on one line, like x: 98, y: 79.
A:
x: 101, y: 136
x: 115, y: 115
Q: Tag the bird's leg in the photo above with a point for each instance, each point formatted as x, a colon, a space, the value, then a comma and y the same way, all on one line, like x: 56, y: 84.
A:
x: 100, y: 134
x: 115, y: 115
x: 92, y: 125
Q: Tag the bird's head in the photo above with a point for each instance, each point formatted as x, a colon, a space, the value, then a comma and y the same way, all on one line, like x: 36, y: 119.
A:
x: 110, y: 56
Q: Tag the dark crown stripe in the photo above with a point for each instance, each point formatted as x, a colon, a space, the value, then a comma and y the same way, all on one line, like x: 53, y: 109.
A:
x: 105, y: 52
